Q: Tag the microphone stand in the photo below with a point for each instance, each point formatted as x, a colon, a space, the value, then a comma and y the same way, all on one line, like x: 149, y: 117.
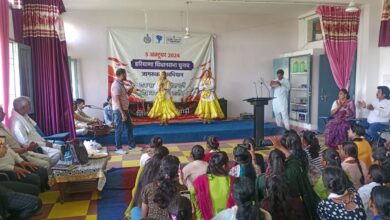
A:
x: 93, y: 107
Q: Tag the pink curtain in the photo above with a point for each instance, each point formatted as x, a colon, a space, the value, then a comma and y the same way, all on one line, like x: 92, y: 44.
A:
x: 340, y: 29
x: 384, y: 35
x: 43, y: 31
x: 4, y: 56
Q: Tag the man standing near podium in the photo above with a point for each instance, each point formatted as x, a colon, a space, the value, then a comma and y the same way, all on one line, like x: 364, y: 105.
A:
x: 281, y: 87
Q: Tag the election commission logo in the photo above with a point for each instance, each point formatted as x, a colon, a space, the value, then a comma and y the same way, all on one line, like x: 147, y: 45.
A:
x: 147, y: 39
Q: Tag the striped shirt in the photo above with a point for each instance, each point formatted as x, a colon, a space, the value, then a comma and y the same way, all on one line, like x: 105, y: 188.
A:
x: 317, y: 162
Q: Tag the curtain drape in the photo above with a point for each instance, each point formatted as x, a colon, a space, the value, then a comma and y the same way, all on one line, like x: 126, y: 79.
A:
x: 4, y: 57
x: 340, y: 29
x: 43, y: 31
x: 384, y: 35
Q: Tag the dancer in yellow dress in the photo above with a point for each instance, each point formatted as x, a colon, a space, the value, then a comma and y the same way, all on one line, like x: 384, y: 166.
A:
x: 208, y: 107
x: 163, y: 107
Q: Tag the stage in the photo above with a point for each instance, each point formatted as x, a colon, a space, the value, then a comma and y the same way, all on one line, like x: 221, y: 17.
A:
x: 180, y: 132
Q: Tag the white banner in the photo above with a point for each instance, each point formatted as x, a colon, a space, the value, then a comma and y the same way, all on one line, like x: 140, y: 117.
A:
x: 145, y: 55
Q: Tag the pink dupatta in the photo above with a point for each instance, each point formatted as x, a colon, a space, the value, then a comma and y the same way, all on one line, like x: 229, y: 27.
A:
x: 203, y: 196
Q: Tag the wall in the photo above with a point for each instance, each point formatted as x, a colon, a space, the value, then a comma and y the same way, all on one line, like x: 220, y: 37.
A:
x: 244, y: 49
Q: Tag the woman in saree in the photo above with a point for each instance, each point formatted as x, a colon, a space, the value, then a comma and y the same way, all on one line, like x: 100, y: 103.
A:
x: 336, y: 130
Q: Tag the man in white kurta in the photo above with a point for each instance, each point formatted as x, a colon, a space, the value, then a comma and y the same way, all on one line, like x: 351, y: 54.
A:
x: 281, y: 87
x: 23, y: 129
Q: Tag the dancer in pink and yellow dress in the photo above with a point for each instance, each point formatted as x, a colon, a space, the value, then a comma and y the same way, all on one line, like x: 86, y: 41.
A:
x: 163, y: 106
x: 208, y: 107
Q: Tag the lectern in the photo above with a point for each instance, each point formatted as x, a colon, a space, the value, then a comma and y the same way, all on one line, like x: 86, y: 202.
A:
x: 258, y: 129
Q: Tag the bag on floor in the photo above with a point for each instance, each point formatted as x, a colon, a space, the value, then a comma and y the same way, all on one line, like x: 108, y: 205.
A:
x: 76, y: 152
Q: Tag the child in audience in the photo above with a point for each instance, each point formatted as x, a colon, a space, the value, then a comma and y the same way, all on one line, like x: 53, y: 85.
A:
x: 343, y: 201
x: 380, y: 203
x: 381, y: 156
x: 278, y: 201
x: 148, y: 174
x: 244, y: 165
x: 356, y: 133
x: 212, y: 145
x: 180, y: 208
x: 296, y: 169
x: 330, y: 157
x: 211, y: 192
x: 245, y: 208
x: 376, y: 176
x: 195, y: 168
x: 156, y: 196
x: 354, y: 168
x: 155, y: 142
x: 312, y: 148
x: 258, y: 159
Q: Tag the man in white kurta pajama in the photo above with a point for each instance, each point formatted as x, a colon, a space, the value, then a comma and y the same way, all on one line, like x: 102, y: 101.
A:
x: 281, y: 87
x: 23, y: 129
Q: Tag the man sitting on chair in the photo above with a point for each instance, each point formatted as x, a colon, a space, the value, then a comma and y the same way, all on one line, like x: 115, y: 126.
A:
x: 25, y: 151
x: 23, y: 128
x: 379, y: 113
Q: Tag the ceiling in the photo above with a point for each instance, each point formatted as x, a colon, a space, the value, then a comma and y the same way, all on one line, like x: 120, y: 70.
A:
x: 283, y: 7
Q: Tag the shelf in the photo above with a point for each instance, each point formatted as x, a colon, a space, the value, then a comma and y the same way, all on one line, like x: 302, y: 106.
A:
x: 292, y: 103
x: 299, y: 89
x: 299, y: 73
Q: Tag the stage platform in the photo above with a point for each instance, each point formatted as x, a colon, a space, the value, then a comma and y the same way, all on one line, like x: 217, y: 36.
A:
x: 191, y: 132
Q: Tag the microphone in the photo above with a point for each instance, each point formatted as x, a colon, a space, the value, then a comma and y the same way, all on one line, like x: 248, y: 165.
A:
x: 265, y: 84
x: 93, y: 107
x: 257, y: 95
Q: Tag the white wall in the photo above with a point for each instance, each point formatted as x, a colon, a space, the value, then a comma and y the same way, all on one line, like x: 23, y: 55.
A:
x: 245, y: 47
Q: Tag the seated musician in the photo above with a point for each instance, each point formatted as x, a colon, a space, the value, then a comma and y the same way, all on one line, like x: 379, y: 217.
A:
x: 81, y: 117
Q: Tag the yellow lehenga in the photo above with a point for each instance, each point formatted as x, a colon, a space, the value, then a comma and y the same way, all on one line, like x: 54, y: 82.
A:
x: 163, y: 106
x: 208, y: 106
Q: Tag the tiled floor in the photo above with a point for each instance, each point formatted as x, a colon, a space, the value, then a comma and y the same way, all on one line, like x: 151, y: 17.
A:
x: 83, y: 206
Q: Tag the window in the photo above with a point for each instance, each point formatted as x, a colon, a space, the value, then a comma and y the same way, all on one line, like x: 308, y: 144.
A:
x: 314, y: 30
x: 74, y: 80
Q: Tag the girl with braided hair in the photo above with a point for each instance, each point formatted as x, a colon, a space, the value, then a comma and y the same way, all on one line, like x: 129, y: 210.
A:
x: 354, y: 168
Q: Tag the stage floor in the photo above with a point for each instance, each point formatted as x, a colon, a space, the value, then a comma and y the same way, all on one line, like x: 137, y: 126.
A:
x: 192, y: 132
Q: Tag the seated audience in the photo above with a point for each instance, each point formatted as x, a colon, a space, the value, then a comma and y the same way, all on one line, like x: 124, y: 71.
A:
x: 244, y: 163
x: 356, y: 134
x: 245, y: 208
x: 376, y: 176
x: 343, y: 201
x: 379, y: 111
x: 26, y: 151
x: 276, y: 161
x: 212, y: 144
x: 108, y: 113
x: 195, y: 168
x: 157, y: 196
x: 312, y: 148
x: 147, y: 174
x: 343, y: 109
x: 23, y: 128
x: 381, y: 156
x: 330, y: 157
x: 19, y: 170
x: 380, y: 202
x: 278, y: 201
x: 18, y: 205
x: 351, y: 164
x: 257, y: 159
x: 80, y: 116
x: 180, y: 209
x: 297, y: 170
x: 211, y: 192
x: 155, y: 142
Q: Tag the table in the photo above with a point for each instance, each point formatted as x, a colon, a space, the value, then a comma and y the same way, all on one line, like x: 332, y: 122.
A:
x: 82, y: 178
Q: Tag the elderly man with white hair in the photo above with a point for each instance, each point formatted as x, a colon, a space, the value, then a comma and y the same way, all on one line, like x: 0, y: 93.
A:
x: 23, y: 128
x: 25, y: 151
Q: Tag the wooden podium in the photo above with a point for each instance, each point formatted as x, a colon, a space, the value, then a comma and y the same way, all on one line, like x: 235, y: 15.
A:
x: 258, y: 129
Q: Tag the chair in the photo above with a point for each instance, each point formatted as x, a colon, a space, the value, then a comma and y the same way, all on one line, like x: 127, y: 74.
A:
x: 59, y: 138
